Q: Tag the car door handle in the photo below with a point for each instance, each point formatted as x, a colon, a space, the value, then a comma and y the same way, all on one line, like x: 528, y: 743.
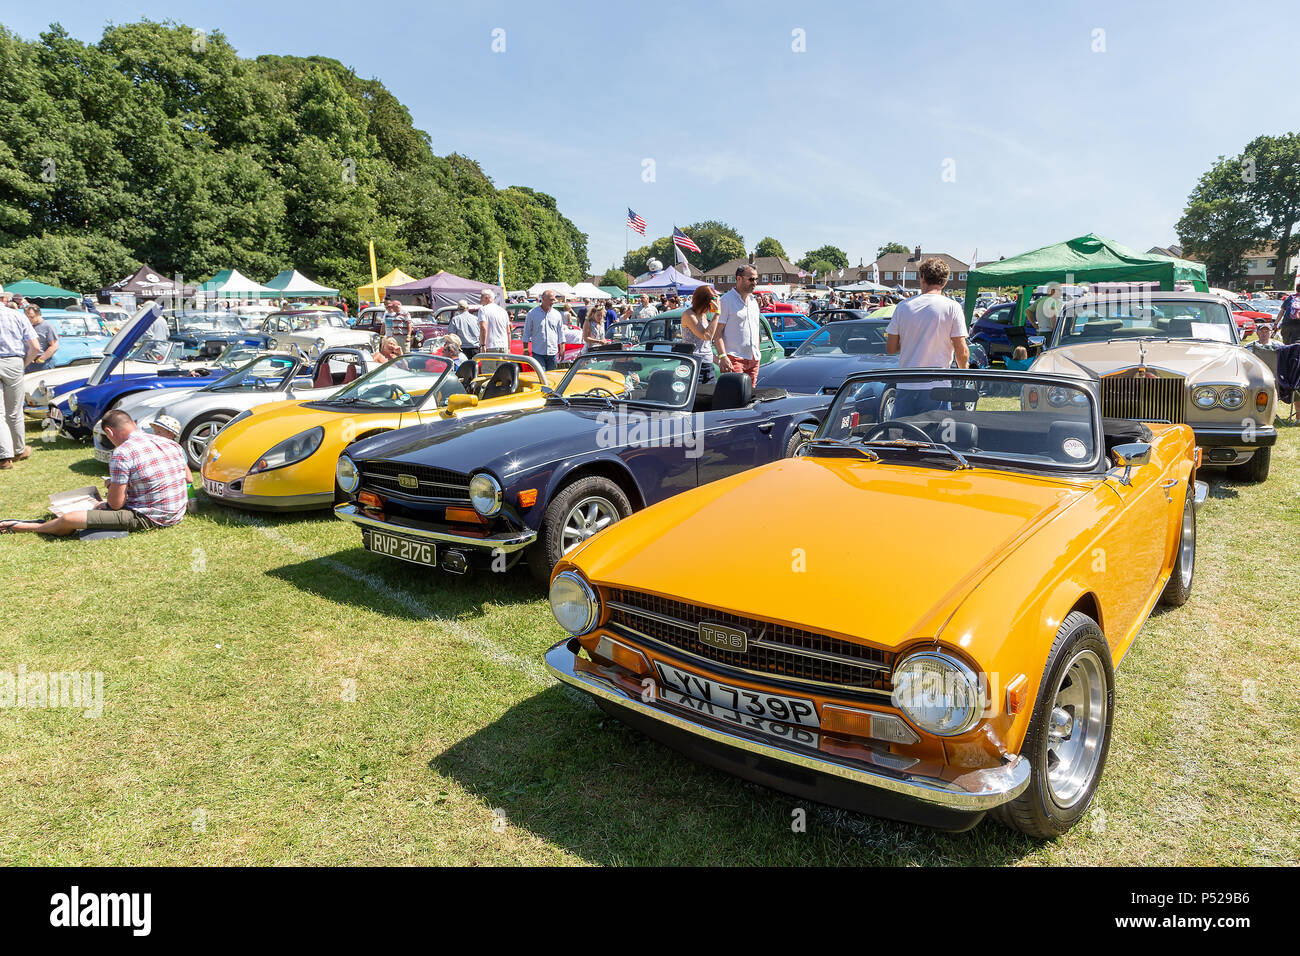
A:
x: 1169, y: 484
x: 766, y: 427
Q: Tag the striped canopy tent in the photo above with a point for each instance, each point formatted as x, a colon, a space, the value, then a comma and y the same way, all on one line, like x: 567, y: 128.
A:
x: 374, y: 291
x: 292, y: 284
x: 41, y: 291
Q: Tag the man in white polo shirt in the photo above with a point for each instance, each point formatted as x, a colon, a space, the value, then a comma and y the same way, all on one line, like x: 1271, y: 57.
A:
x: 738, y: 326
x: 493, y: 324
x: 926, y: 331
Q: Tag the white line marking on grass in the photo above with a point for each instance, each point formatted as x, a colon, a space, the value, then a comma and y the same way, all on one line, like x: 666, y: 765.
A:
x: 481, y: 642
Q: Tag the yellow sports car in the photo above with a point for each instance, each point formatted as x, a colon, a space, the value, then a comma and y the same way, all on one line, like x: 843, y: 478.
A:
x: 936, y: 638
x: 281, y: 456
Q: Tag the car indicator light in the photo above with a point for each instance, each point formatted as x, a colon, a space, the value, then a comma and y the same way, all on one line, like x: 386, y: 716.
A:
x: 1261, y: 400
x: 628, y: 658
x: 1199, y: 455
x: 1018, y: 691
x: 368, y: 499
x: 865, y: 723
x: 464, y: 515
x: 528, y: 497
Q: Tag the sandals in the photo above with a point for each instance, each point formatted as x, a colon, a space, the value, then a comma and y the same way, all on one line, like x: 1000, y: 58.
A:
x: 7, y: 524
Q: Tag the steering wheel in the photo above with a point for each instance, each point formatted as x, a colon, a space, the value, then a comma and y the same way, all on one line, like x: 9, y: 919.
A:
x: 599, y: 390
x: 399, y: 394
x: 881, y: 427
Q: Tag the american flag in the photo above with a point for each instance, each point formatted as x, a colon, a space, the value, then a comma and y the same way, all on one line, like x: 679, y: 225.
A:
x: 686, y: 242
x: 635, y: 222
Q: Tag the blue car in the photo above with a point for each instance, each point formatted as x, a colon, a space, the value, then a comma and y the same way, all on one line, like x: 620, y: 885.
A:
x: 790, y: 329
x: 993, y: 332
x: 84, y: 402
x: 82, y: 337
x: 481, y: 492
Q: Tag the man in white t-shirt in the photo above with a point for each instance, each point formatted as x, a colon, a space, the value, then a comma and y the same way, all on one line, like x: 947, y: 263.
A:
x: 738, y: 326
x: 926, y: 331
x: 493, y: 324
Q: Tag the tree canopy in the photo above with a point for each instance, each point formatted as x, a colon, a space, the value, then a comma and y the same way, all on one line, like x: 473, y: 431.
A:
x: 826, y: 255
x: 160, y: 144
x: 1241, y: 202
x: 889, y: 247
x: 767, y: 246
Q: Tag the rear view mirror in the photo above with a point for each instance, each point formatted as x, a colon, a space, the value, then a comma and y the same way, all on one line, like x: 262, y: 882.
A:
x: 955, y: 395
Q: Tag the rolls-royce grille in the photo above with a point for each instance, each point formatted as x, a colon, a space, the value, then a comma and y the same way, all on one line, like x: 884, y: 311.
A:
x: 415, y: 481
x: 775, y: 649
x: 1143, y: 399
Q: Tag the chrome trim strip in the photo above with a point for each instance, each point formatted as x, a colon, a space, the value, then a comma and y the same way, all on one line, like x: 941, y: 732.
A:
x: 1200, y: 493
x: 974, y: 792
x: 840, y: 690
x: 506, y: 541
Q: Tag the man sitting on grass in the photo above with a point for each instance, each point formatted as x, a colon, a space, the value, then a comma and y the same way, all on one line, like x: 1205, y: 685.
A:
x: 146, y: 485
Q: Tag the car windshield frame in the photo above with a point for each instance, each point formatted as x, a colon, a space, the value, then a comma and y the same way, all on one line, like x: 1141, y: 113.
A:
x: 666, y: 359
x: 1113, y: 305
x: 1095, y: 466
x: 841, y: 327
x: 228, y: 382
x: 348, y: 395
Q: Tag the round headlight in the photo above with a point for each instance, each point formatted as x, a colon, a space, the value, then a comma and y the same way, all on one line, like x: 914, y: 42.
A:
x: 1205, y: 397
x: 345, y: 471
x: 574, y: 603
x: 485, y: 494
x: 272, y: 344
x: 72, y: 403
x: 1232, y: 397
x: 938, y: 693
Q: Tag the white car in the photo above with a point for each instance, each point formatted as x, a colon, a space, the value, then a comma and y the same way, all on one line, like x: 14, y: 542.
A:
x: 273, y: 377
x: 149, y: 357
x: 312, y: 331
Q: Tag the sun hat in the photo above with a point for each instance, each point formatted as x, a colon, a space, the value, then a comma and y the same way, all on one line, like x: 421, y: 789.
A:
x: 167, y: 422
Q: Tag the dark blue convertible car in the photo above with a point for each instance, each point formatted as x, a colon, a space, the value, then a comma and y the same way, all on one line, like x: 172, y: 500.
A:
x: 622, y: 430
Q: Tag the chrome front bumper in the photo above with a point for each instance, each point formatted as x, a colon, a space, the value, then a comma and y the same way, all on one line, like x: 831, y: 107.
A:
x: 506, y: 541
x: 1200, y: 491
x: 972, y: 793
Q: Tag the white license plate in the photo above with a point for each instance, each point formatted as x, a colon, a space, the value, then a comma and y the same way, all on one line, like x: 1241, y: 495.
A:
x: 216, y: 489
x: 772, y: 728
x: 404, y: 549
x: 741, y: 702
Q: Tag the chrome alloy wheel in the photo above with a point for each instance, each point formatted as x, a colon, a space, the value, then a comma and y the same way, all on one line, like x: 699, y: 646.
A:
x: 1187, y: 546
x: 200, y: 438
x: 1076, y: 727
x: 584, y: 519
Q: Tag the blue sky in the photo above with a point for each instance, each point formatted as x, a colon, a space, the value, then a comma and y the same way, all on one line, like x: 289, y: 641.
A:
x: 846, y: 142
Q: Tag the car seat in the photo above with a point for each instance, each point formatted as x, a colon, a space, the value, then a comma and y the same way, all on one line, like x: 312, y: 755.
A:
x: 734, y: 390
x: 857, y: 346
x: 505, y: 381
x: 660, y: 387
x: 350, y: 373
x: 323, y: 377
x: 467, y: 372
x: 962, y: 436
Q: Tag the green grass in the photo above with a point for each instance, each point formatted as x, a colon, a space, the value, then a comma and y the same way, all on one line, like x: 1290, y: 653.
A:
x: 226, y: 645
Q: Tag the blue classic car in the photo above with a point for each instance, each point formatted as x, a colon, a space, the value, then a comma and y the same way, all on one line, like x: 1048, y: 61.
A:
x: 82, y: 337
x: 994, y: 332
x: 790, y: 329
x: 623, y: 430
x: 207, y: 334
x: 836, y: 351
x: 84, y: 403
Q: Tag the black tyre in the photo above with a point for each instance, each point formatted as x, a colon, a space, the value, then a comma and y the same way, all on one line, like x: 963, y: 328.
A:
x: 1255, y: 470
x: 1179, y: 588
x: 199, y: 434
x: 1069, y: 733
x: 578, y: 511
x: 887, y: 398
x: 794, y: 442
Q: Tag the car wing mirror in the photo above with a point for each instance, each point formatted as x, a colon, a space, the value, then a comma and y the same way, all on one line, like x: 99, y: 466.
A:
x: 1130, y: 454
x: 456, y: 402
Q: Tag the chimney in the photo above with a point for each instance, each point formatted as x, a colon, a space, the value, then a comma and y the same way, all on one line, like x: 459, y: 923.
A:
x: 751, y: 258
x: 917, y: 257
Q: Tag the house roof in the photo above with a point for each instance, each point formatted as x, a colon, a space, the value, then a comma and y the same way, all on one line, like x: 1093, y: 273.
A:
x: 765, y: 265
x: 902, y: 261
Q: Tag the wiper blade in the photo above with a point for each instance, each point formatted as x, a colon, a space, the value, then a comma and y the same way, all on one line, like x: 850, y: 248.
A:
x: 847, y: 446
x: 552, y: 393
x: 962, y: 463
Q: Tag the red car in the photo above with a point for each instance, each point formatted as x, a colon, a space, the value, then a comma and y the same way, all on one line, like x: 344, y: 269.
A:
x: 518, y: 347
x: 1246, y: 319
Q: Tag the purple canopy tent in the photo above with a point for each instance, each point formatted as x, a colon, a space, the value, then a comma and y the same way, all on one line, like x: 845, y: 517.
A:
x: 666, y: 280
x: 441, y: 289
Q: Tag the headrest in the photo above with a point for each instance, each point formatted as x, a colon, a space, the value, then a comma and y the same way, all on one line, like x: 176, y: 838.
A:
x: 734, y: 390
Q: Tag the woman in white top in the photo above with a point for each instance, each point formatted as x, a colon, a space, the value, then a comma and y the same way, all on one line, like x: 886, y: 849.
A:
x: 699, y: 326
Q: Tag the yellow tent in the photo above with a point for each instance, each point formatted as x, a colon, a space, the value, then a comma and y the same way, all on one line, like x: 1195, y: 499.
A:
x: 374, y: 292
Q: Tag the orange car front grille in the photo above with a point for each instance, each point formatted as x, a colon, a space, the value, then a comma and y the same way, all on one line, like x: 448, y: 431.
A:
x: 775, y: 650
x: 1143, y: 399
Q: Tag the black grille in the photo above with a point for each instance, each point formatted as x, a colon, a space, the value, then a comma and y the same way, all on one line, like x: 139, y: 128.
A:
x: 775, y: 649
x: 436, y: 483
x: 1143, y: 399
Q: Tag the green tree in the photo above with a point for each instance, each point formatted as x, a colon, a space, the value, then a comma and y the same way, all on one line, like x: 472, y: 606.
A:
x: 615, y: 276
x: 1220, y: 223
x: 831, y: 255
x: 767, y: 246
x: 1276, y: 193
x: 889, y: 247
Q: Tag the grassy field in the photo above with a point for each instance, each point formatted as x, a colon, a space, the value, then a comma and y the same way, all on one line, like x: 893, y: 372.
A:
x: 272, y: 694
